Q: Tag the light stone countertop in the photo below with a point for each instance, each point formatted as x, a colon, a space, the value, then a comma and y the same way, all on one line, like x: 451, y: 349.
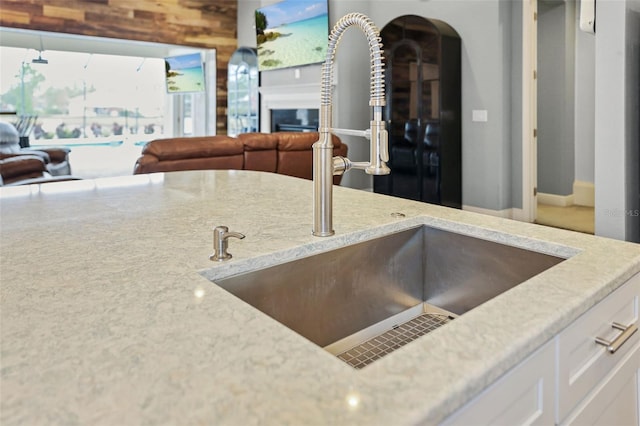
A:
x: 107, y: 316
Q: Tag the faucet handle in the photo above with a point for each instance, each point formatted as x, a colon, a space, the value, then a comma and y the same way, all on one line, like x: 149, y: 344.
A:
x: 379, y: 150
x: 384, y: 145
x: 220, y: 244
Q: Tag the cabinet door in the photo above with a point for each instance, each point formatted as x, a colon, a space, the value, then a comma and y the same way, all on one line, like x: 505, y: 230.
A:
x: 615, y: 401
x: 524, y: 395
x: 583, y: 364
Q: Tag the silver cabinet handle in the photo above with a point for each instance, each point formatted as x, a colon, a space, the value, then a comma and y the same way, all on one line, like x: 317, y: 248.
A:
x: 627, y: 332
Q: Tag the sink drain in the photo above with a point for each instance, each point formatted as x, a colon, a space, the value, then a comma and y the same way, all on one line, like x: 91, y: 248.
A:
x: 387, y: 342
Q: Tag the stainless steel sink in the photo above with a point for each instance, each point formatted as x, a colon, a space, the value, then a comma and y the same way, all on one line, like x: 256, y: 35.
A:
x: 341, y: 298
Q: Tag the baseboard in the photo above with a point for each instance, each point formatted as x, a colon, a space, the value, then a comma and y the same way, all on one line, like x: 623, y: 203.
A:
x: 584, y: 193
x: 518, y: 214
x: 555, y: 200
x: 505, y: 213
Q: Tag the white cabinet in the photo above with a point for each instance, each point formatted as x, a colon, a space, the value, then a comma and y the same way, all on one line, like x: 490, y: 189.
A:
x: 591, y: 379
x: 614, y: 401
x: 572, y: 380
x: 525, y: 395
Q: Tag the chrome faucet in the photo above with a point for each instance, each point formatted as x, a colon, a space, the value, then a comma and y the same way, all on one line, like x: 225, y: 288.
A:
x: 324, y: 164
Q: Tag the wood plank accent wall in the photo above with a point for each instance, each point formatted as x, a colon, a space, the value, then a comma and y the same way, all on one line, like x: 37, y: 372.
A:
x: 199, y: 23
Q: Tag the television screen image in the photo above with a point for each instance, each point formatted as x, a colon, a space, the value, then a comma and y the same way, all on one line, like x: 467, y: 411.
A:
x: 184, y: 73
x: 292, y: 33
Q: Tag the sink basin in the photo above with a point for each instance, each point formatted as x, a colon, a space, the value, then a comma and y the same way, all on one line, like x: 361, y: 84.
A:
x: 331, y: 297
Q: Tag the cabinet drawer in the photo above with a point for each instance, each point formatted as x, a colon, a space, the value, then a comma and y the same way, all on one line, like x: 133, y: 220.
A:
x: 582, y: 363
x: 615, y: 400
x: 524, y: 395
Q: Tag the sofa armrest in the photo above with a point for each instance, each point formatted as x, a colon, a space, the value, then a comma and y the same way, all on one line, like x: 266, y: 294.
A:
x: 57, y: 155
x: 260, y: 151
x: 20, y: 167
x: 145, y: 164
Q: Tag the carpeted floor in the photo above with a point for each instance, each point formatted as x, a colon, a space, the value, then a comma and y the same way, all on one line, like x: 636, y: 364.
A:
x: 575, y: 218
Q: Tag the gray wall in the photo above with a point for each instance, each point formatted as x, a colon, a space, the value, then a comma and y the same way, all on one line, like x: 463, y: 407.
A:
x: 491, y: 180
x: 516, y: 105
x: 351, y: 98
x: 585, y: 106
x: 617, y: 115
x: 632, y: 120
x: 246, y: 22
x: 485, y: 27
x: 350, y: 109
x: 491, y: 74
x: 566, y: 107
x: 556, y: 46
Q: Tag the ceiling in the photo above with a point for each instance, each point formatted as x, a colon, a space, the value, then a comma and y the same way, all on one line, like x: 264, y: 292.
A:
x: 41, y: 40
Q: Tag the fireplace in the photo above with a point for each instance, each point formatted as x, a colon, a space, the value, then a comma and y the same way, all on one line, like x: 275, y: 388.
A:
x: 295, y: 120
x: 290, y: 108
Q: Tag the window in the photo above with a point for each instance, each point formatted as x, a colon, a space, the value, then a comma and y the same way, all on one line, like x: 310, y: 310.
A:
x: 103, y: 98
x: 83, y: 97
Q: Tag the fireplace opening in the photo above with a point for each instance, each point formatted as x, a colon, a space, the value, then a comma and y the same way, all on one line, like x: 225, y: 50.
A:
x: 295, y: 120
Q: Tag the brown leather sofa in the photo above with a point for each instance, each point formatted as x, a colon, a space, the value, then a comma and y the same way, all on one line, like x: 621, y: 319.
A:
x: 27, y: 169
x: 287, y: 153
x: 21, y: 166
x: 56, y: 159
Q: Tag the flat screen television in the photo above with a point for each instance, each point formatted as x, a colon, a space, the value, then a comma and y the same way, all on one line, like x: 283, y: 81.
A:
x: 292, y: 33
x: 184, y: 73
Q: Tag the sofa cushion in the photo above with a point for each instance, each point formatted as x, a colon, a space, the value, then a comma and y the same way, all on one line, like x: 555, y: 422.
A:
x: 296, y: 141
x: 194, y: 147
x: 296, y: 163
x: 259, y: 141
x: 301, y: 141
x: 295, y: 153
x: 260, y: 151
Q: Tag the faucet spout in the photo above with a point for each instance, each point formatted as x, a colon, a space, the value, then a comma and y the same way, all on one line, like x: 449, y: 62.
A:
x: 324, y: 166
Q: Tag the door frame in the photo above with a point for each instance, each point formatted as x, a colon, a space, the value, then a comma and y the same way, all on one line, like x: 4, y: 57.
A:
x: 529, y: 110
